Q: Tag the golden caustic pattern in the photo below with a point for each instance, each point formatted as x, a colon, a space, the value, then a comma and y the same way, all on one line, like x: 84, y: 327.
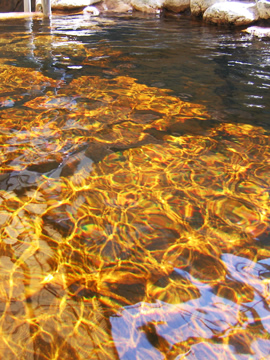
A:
x: 132, y: 225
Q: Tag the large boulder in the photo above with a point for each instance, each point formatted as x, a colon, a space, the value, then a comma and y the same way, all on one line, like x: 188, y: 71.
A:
x: 263, y: 7
x: 148, y: 6
x: 118, y: 6
x: 231, y: 13
x: 176, y: 5
x: 198, y: 7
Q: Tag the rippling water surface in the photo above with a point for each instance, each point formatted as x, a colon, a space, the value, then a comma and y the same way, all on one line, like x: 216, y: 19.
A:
x: 134, y: 190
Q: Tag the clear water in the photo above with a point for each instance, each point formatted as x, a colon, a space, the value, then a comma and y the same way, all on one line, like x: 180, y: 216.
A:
x: 134, y: 190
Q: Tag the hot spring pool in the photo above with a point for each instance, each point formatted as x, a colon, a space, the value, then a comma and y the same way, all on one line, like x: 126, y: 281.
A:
x: 134, y: 190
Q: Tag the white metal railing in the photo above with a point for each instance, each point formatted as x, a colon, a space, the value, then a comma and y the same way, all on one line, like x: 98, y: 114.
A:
x: 46, y: 5
x: 47, y: 10
x: 27, y: 5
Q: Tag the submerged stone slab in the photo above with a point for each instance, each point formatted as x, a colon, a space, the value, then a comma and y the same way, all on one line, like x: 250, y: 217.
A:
x: 176, y: 5
x: 263, y: 7
x: 231, y: 13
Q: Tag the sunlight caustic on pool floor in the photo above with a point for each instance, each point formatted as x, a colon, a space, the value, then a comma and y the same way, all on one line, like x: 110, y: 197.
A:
x: 132, y: 224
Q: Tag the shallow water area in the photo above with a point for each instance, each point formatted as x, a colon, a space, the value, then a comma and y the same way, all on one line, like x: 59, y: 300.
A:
x: 134, y: 190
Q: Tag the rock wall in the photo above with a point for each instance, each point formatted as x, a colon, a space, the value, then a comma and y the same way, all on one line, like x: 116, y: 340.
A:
x: 219, y: 12
x: 13, y: 5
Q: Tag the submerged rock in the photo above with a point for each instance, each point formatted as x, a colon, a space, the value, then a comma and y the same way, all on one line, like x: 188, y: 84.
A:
x: 231, y: 13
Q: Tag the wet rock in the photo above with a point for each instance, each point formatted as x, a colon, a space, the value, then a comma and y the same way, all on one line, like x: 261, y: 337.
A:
x: 198, y: 7
x: 118, y: 6
x: 44, y: 166
x: 263, y: 7
x: 71, y: 4
x: 176, y: 5
x: 66, y: 4
x: 148, y: 6
x: 261, y: 32
x: 91, y: 10
x: 18, y: 15
x: 231, y: 13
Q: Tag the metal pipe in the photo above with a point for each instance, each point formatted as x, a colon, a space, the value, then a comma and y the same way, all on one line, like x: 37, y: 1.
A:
x: 27, y: 5
x: 46, y: 5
